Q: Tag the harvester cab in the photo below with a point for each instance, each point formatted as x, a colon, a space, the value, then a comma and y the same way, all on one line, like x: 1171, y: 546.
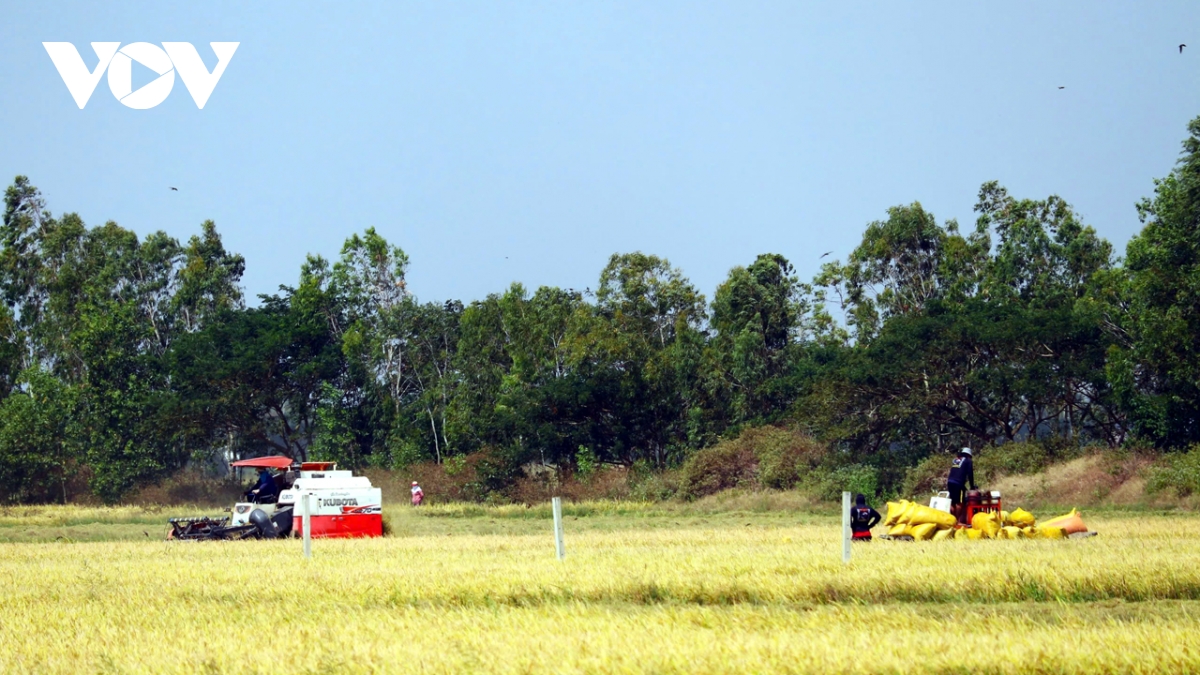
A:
x: 271, y: 515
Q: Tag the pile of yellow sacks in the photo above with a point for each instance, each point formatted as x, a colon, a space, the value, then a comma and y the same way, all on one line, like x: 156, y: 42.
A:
x: 905, y: 518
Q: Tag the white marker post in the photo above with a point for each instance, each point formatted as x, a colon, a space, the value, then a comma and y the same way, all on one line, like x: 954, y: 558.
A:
x: 306, y: 500
x: 559, y: 548
x: 846, y: 528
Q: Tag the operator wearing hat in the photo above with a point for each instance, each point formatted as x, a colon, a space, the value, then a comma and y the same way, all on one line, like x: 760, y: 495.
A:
x: 418, y: 495
x: 962, y: 473
x: 264, y: 491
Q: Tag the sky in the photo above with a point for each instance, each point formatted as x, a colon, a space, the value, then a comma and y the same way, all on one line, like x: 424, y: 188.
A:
x: 501, y: 142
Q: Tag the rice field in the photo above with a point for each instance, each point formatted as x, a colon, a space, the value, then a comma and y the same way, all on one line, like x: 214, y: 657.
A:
x: 644, y: 589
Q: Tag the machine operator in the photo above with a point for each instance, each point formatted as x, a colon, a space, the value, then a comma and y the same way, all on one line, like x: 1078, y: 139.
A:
x: 962, y: 474
x: 264, y: 490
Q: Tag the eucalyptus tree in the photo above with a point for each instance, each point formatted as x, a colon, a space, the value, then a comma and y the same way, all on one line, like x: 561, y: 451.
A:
x: 645, y: 348
x: 520, y: 389
x: 761, y: 318
x: 98, y: 308
x: 1156, y: 311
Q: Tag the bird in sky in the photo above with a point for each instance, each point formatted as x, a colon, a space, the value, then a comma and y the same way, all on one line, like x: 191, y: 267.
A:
x: 1181, y: 48
x: 1062, y: 87
x: 175, y: 189
x: 825, y: 254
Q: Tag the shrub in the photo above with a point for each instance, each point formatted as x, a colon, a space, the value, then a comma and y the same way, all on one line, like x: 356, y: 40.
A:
x: 655, y: 487
x: 497, y: 468
x: 768, y: 457
x: 493, y: 476
x: 585, y: 461
x: 1022, y: 457
x: 1178, y: 472
x: 855, y: 478
x: 603, y: 483
x: 927, y: 477
x: 440, y: 485
x: 454, y: 466
x: 784, y: 456
x: 720, y: 467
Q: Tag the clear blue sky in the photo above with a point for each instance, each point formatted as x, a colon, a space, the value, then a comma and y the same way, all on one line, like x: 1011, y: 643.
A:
x: 500, y: 142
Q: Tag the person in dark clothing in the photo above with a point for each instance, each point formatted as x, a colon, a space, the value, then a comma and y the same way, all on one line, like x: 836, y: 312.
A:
x: 862, y: 519
x: 264, y: 490
x: 962, y: 474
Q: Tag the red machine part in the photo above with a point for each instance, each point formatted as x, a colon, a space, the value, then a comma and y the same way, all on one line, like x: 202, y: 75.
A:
x: 347, y: 526
x: 272, y: 462
x: 318, y: 466
x: 979, y: 501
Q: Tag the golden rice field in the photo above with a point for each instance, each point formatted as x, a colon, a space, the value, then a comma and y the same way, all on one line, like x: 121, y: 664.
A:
x: 643, y: 590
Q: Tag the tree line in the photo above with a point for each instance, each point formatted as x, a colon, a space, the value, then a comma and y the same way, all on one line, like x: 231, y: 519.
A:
x: 124, y: 359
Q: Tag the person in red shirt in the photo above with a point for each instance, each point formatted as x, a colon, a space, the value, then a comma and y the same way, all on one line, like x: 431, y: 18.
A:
x: 862, y: 519
x: 418, y: 495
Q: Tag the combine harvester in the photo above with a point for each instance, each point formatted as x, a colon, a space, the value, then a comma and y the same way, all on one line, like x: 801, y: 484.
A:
x: 342, y: 505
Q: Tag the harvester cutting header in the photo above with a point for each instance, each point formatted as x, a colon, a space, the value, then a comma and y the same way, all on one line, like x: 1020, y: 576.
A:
x: 341, y: 504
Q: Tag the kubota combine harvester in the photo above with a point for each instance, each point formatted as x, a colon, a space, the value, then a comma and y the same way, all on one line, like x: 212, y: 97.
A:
x: 341, y: 504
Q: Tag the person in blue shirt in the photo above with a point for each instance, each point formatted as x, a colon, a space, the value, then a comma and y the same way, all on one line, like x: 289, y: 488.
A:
x: 962, y: 474
x: 264, y: 489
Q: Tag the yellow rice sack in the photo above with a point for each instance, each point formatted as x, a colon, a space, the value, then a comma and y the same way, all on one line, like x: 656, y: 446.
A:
x: 987, y: 523
x: 897, y: 530
x: 1011, y: 532
x: 924, y: 531
x: 1021, y: 518
x: 962, y: 533
x: 941, y: 535
x: 1050, y: 532
x: 972, y: 533
x: 894, y: 509
x: 906, y: 513
x: 1004, y: 518
x: 922, y: 515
